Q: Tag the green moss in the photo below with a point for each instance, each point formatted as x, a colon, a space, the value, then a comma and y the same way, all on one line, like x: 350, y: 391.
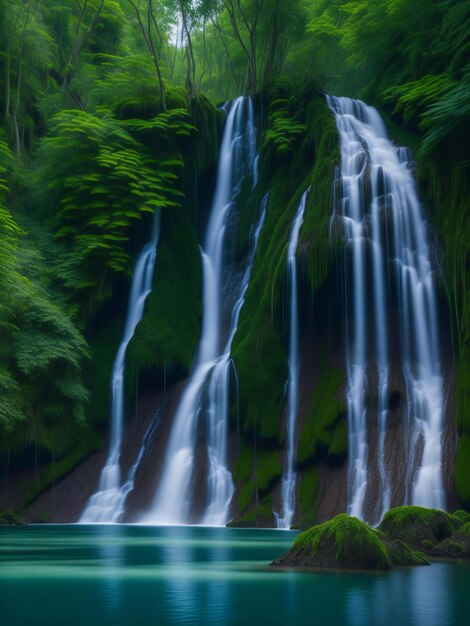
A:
x: 243, y: 466
x: 258, y: 350
x: 339, y: 439
x: 344, y: 542
x: 265, y: 510
x: 259, y: 515
x: 205, y: 145
x: 307, y: 491
x: 258, y: 347
x: 314, y: 238
x: 458, y: 545
x: 464, y: 530
x: 462, y: 468
x: 402, y: 554
x: 464, y: 516
x: 325, y: 427
x: 168, y: 334
x: 245, y: 497
x: 450, y: 548
x: 419, y: 527
x: 268, y: 469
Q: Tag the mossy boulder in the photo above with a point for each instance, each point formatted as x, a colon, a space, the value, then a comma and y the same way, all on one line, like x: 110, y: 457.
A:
x: 462, y: 515
x: 346, y: 542
x: 456, y: 546
x: 418, y: 527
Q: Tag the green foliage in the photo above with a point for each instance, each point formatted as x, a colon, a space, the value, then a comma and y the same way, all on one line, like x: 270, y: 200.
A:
x: 43, y: 351
x: 9, y: 241
x: 101, y: 181
x: 284, y: 132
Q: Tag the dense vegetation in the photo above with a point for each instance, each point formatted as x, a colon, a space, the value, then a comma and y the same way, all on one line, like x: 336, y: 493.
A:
x: 109, y: 113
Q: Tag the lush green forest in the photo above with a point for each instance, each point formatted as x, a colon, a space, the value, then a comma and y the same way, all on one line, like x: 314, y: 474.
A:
x: 109, y: 111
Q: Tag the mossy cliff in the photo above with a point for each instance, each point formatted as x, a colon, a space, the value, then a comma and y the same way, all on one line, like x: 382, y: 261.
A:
x: 166, y: 338
x: 299, y: 148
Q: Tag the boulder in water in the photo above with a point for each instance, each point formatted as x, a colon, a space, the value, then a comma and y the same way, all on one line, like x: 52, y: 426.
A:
x: 347, y: 543
x: 456, y: 546
x: 420, y: 528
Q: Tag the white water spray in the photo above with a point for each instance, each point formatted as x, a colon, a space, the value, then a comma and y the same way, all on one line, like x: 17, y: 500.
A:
x: 173, y: 497
x: 377, y: 182
x: 289, y: 476
x: 107, y: 504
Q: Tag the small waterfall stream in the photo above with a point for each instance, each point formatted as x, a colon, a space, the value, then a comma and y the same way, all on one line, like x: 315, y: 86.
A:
x: 289, y: 477
x: 107, y: 504
x: 377, y: 188
x: 207, y: 391
x: 220, y: 484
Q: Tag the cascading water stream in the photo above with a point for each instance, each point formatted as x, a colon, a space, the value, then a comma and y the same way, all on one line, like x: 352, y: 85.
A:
x: 377, y: 183
x: 107, y: 504
x: 220, y: 483
x: 173, y: 497
x: 289, y: 477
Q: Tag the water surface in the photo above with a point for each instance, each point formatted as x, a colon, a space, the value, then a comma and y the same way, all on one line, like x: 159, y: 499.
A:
x: 136, y: 575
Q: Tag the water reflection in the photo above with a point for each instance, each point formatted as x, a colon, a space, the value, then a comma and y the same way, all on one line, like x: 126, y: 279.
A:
x: 135, y: 576
x: 111, y: 562
x: 178, y: 558
x: 217, y: 603
x: 431, y: 595
x: 420, y: 596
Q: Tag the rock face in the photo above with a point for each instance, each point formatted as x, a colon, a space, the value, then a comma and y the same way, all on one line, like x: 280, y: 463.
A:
x: 456, y: 546
x: 421, y: 529
x: 346, y: 542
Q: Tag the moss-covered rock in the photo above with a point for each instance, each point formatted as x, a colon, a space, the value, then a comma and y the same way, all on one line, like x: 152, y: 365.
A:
x: 346, y: 542
x: 420, y: 528
x: 456, y: 546
x: 462, y: 515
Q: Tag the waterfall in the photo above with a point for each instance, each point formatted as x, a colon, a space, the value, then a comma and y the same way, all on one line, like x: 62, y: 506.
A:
x: 220, y: 484
x: 107, y: 504
x: 377, y: 186
x: 207, y: 391
x: 289, y: 477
